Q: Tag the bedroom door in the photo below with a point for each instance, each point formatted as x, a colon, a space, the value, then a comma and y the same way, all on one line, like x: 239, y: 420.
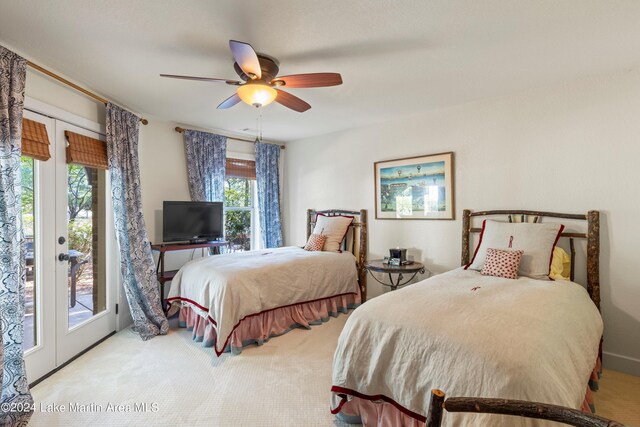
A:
x: 85, y: 291
x: 38, y: 204
x: 69, y: 241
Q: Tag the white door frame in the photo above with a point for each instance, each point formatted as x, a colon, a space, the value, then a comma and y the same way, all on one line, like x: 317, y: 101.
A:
x: 39, y: 359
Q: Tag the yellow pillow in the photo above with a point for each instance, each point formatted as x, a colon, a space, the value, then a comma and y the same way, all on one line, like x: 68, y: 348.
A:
x: 560, y: 264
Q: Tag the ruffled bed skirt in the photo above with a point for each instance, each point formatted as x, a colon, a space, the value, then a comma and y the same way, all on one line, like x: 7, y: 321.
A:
x: 379, y: 413
x: 259, y: 328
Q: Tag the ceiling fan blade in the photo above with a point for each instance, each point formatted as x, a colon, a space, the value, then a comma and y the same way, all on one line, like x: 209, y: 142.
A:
x: 246, y: 58
x: 309, y: 80
x: 203, y: 79
x: 291, y: 101
x: 230, y: 101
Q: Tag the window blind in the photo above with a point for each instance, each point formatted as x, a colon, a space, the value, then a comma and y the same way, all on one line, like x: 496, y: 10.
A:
x: 35, y: 141
x: 238, y: 168
x: 86, y: 151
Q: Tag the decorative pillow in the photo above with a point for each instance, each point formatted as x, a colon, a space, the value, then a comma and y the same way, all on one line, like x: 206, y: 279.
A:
x: 502, y: 263
x: 315, y: 242
x: 335, y: 228
x: 535, y: 240
x: 560, y: 265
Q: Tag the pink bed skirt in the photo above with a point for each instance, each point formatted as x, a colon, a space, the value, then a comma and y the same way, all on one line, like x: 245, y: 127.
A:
x: 380, y: 411
x: 260, y: 327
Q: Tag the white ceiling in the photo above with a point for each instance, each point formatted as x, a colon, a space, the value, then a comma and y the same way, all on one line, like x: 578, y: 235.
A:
x: 396, y: 57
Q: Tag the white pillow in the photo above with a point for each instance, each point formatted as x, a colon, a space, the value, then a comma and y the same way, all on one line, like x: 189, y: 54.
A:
x: 335, y: 228
x: 536, y: 240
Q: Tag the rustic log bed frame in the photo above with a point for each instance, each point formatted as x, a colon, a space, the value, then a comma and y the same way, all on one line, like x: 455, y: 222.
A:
x: 570, y: 416
x: 518, y: 408
x: 592, y: 235
x: 357, y: 232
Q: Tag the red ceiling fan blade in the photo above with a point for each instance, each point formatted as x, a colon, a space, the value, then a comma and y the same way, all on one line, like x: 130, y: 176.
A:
x: 203, y: 79
x: 230, y: 101
x: 309, y: 80
x: 246, y: 58
x: 291, y: 101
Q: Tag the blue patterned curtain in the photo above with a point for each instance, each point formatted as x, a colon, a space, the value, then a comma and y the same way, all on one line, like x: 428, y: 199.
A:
x: 206, y: 164
x: 268, y: 181
x: 136, y: 262
x: 15, y: 388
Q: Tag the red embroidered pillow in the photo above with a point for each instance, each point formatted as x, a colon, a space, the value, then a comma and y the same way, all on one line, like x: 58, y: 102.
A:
x: 315, y: 242
x: 502, y: 263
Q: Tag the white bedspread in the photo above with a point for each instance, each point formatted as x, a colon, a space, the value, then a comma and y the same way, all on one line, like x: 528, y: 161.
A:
x: 229, y: 287
x: 518, y: 339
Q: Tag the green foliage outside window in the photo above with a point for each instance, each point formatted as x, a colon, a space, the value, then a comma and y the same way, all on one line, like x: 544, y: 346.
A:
x: 79, y: 199
x: 237, y: 224
x: 237, y: 193
x: 79, y: 190
x: 26, y: 170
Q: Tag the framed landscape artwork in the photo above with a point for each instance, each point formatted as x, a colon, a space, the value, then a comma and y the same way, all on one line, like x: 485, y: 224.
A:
x: 415, y: 188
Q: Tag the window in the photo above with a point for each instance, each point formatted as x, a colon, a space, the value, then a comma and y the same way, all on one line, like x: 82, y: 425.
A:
x: 29, y: 220
x: 240, y: 223
x: 87, y: 284
x: 86, y: 166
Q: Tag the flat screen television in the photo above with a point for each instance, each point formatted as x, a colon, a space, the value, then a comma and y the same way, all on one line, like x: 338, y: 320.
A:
x: 192, y: 221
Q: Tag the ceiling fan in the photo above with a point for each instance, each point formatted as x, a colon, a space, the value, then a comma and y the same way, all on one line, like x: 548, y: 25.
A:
x: 261, y: 85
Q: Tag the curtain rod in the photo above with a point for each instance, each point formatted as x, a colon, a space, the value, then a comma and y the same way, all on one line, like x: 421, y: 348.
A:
x: 180, y: 130
x: 74, y: 86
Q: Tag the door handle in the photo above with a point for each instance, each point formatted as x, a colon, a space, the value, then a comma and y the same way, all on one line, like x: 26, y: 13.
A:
x: 63, y: 257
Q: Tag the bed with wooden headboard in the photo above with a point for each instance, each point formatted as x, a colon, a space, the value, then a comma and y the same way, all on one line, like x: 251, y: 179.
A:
x: 475, y: 335
x: 355, y: 241
x: 238, y: 299
x: 591, y: 235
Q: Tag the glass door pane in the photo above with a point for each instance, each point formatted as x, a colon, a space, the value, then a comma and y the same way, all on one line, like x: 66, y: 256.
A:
x: 85, y: 212
x: 30, y: 322
x: 39, y: 262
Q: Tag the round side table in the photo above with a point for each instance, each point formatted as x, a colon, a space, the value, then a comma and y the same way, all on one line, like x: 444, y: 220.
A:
x: 377, y: 266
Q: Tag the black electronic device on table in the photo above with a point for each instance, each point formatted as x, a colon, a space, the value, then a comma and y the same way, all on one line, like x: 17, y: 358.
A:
x: 397, y: 256
x: 194, y: 222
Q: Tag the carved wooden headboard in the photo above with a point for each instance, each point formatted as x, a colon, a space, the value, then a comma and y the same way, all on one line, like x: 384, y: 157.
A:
x: 592, y: 235
x: 355, y: 241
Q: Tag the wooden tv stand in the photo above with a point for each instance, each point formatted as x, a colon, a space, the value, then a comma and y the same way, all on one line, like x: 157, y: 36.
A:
x: 162, y: 248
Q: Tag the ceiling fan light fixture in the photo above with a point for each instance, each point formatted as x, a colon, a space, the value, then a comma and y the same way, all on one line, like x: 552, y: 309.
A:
x: 257, y: 94
x: 260, y: 72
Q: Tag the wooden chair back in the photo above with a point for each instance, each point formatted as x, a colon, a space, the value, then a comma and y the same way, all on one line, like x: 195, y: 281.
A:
x: 517, y: 408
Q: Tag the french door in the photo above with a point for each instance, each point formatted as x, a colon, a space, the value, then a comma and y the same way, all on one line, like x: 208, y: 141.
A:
x: 70, y: 291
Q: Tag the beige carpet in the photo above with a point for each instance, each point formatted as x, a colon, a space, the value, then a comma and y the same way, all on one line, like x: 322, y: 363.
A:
x: 285, y: 382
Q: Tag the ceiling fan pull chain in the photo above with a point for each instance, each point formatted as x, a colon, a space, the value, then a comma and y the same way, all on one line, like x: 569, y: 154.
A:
x: 258, y: 125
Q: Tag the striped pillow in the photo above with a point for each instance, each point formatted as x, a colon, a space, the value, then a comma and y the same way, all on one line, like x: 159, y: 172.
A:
x: 502, y: 263
x: 315, y: 242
